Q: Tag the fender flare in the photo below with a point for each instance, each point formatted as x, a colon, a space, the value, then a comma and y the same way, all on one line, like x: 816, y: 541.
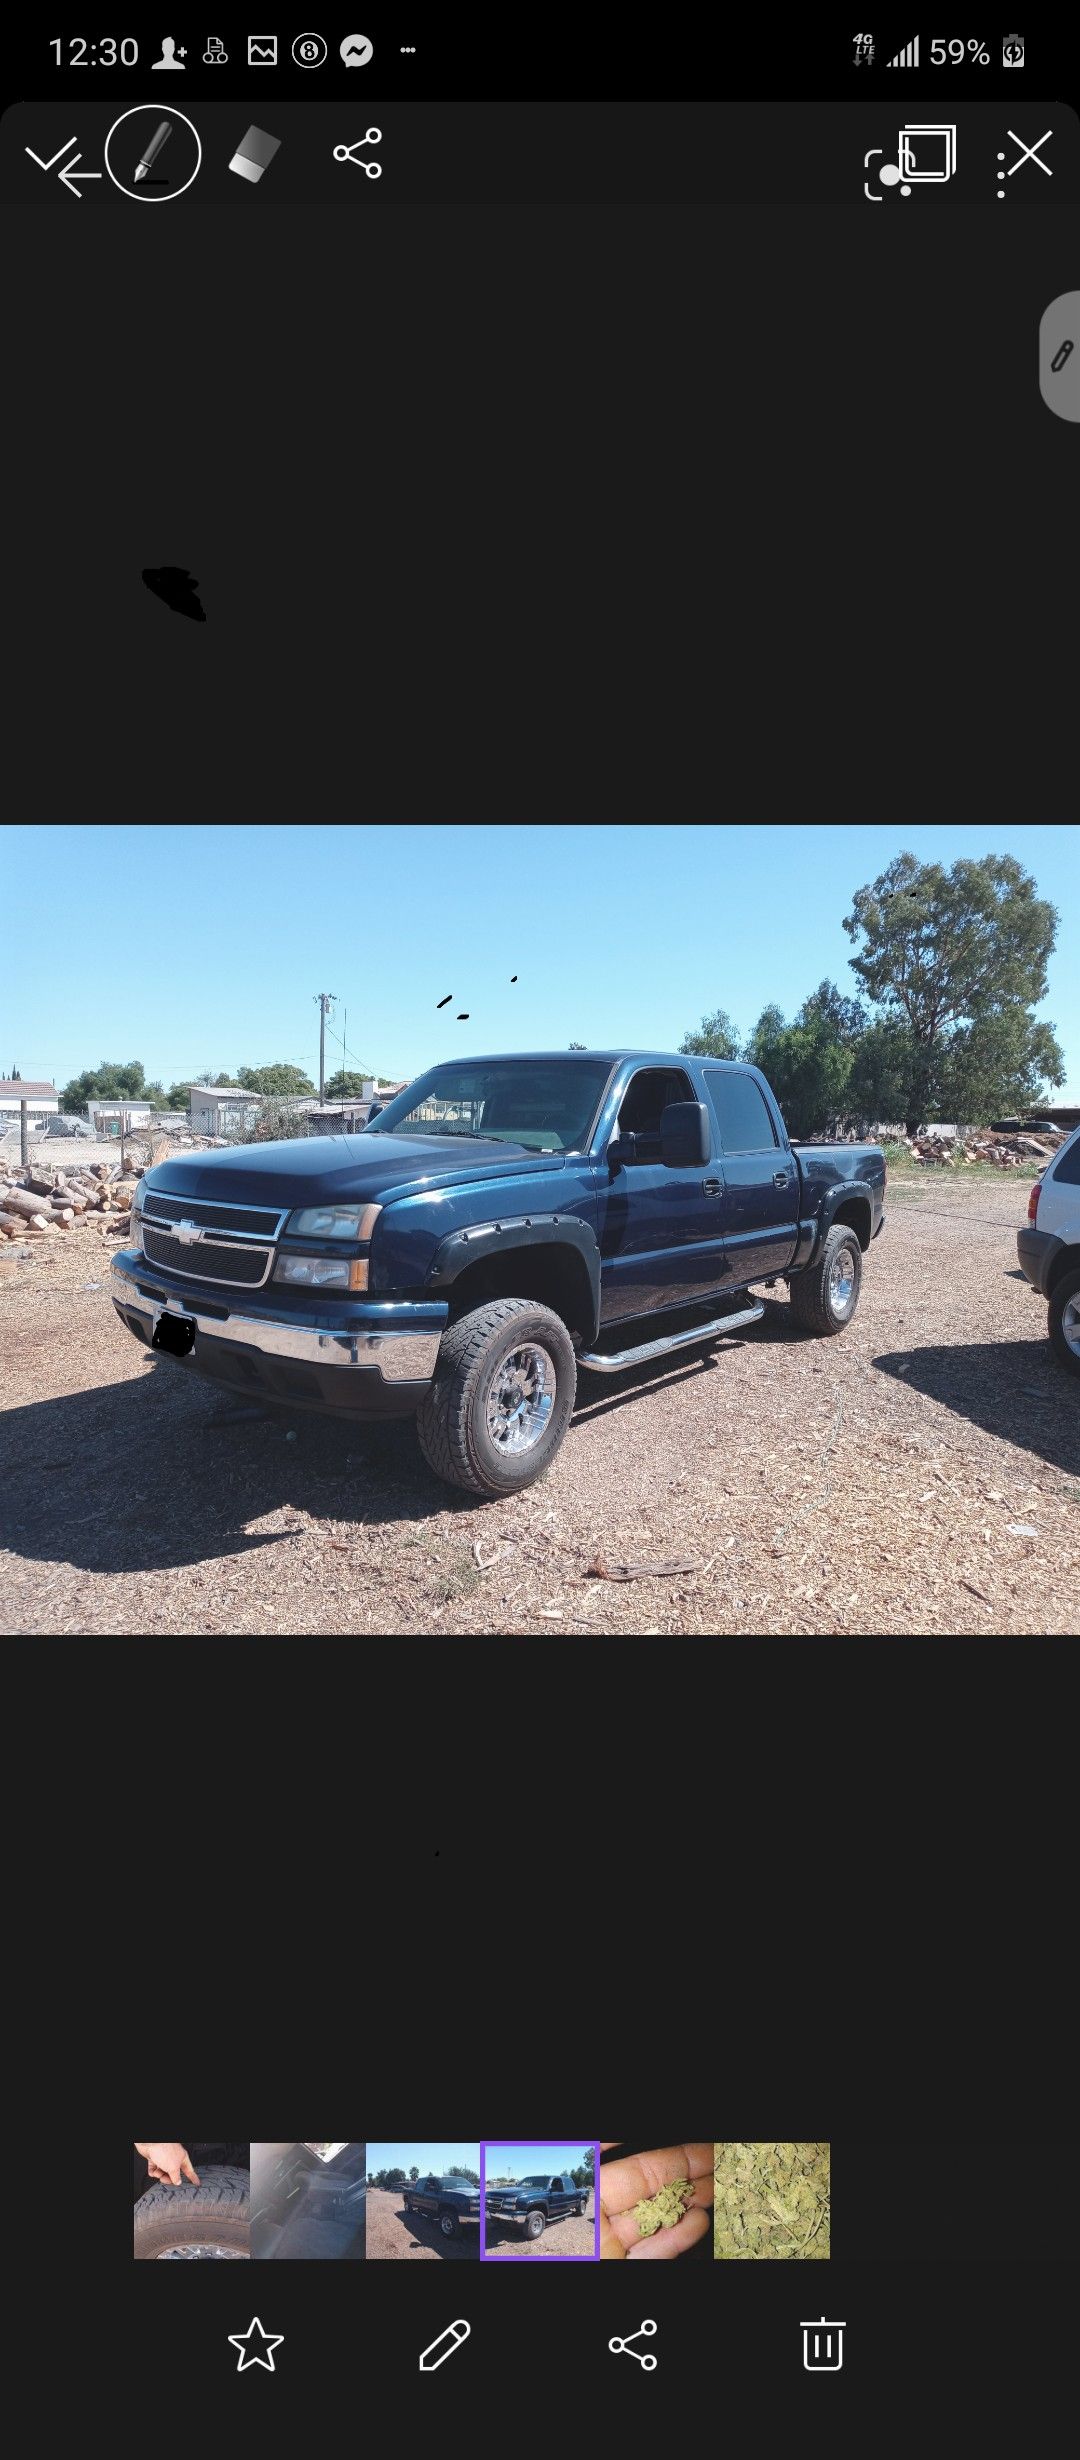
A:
x: 464, y: 1247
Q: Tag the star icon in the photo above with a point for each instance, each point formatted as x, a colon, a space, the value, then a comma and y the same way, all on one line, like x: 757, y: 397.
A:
x: 250, y: 2355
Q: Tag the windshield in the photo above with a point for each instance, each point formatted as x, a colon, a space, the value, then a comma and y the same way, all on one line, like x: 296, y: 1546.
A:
x: 547, y: 1105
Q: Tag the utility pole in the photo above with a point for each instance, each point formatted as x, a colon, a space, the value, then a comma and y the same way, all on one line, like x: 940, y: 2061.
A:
x: 324, y: 999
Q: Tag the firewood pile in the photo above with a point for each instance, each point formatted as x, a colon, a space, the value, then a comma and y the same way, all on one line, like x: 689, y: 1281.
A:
x: 40, y: 1204
x: 1016, y: 1152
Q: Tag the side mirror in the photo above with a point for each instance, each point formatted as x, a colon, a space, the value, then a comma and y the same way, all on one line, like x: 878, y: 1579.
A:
x: 685, y: 1136
x: 621, y: 1150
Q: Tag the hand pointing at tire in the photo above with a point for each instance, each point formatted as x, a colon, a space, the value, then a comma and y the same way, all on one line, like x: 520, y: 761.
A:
x: 169, y: 2163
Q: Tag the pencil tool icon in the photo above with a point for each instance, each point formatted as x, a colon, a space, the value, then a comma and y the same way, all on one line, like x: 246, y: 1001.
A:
x: 160, y: 137
x: 454, y: 2337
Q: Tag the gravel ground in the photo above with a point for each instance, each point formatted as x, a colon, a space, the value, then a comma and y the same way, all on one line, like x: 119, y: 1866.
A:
x: 569, y: 2237
x: 859, y: 1485
x: 395, y: 2236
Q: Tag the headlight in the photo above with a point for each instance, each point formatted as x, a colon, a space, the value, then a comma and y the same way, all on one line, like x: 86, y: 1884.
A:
x: 137, y: 1202
x: 320, y: 1272
x: 334, y: 1221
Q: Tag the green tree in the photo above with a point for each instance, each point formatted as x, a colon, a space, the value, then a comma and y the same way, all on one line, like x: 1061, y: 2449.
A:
x: 414, y: 2173
x: 114, y: 1081
x: 999, y: 1063
x: 279, y: 1078
x: 947, y: 950
x: 715, y: 1038
x: 846, y: 1019
x: 473, y: 2176
x: 346, y: 1084
x: 881, y: 1071
x: 578, y: 1046
x: 807, y: 1067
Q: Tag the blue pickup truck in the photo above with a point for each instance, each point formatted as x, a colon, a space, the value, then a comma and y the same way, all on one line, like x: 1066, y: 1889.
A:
x: 453, y: 2203
x: 503, y: 1225
x: 532, y: 2203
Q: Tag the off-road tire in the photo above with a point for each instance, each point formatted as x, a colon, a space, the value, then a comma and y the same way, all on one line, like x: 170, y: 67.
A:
x: 449, y: 2225
x: 1065, y: 1293
x: 812, y: 1300
x: 451, y: 1421
x: 535, y: 2225
x: 215, y: 2213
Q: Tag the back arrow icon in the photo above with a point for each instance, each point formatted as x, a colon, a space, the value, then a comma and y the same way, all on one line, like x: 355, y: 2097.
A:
x: 69, y: 175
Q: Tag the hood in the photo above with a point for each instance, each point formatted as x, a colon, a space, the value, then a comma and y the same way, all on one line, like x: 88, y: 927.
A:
x: 341, y: 1169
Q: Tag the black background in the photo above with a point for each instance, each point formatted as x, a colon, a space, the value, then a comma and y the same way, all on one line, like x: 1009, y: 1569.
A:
x: 511, y: 504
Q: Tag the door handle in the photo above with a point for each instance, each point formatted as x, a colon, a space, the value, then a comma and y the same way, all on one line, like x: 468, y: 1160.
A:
x: 779, y: 1178
x: 710, y: 1187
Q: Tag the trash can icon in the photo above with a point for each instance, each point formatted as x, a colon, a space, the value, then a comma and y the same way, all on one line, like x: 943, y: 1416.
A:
x: 823, y: 2347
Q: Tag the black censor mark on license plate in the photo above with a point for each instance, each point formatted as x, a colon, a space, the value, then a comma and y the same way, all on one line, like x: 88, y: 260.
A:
x: 175, y: 1333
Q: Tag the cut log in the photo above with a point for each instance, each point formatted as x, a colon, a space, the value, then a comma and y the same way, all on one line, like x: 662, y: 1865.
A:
x: 60, y: 1213
x: 18, y: 1200
x: 37, y: 1185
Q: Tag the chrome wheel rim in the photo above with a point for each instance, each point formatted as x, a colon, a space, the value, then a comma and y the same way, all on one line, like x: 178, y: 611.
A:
x: 842, y: 1280
x: 202, y: 2254
x: 1070, y: 1325
x: 521, y: 1399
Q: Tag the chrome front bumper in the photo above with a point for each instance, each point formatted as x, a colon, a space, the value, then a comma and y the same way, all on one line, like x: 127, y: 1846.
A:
x: 401, y: 1357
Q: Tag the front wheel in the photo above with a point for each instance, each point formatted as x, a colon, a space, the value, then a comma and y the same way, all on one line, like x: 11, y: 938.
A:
x: 1063, y: 1320
x: 535, y: 2225
x: 501, y: 1398
x: 448, y: 2223
x: 825, y: 1296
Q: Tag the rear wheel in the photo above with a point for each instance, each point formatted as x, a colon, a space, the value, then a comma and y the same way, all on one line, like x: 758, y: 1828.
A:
x: 192, y: 2223
x: 825, y: 1296
x: 501, y: 1398
x: 1063, y: 1320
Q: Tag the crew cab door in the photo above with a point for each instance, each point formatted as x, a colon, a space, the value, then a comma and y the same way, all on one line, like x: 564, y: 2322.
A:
x: 761, y: 1178
x: 660, y: 1229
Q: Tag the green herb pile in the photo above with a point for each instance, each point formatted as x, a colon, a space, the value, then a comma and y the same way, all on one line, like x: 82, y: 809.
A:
x: 664, y: 2211
x: 771, y: 2199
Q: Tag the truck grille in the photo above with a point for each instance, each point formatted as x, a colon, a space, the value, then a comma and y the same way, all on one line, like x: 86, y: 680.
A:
x: 210, y: 1259
x: 229, y: 1221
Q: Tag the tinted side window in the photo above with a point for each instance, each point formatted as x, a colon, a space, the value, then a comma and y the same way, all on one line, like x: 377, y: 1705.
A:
x: 741, y: 1113
x: 1066, y: 1169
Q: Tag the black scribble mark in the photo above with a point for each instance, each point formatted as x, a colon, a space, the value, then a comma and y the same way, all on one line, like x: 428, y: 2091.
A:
x: 444, y: 1003
x: 464, y: 1017
x: 513, y: 977
x: 176, y: 587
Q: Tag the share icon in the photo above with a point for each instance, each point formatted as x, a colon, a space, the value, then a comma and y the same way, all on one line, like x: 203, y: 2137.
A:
x: 644, y: 2332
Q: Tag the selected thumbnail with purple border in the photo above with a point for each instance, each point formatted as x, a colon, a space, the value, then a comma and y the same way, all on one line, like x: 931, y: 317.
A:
x: 535, y: 2143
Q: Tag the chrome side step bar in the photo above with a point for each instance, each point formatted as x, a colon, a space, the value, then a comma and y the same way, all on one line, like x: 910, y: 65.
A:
x: 619, y: 1359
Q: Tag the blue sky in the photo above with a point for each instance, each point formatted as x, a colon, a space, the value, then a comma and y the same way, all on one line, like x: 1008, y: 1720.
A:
x: 520, y: 2160
x: 439, y: 2157
x: 204, y: 946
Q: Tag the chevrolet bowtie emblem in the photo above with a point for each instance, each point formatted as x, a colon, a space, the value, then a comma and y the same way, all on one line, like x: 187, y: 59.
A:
x: 187, y: 1232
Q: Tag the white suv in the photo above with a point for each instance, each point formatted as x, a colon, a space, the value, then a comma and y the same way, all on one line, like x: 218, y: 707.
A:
x: 1049, y: 1247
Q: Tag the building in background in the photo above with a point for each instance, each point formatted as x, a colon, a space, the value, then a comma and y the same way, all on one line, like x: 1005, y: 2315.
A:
x: 107, y: 1118
x: 42, y: 1102
x: 222, y: 1110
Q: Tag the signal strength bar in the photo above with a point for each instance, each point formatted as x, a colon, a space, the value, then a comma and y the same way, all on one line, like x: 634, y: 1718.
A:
x: 908, y: 57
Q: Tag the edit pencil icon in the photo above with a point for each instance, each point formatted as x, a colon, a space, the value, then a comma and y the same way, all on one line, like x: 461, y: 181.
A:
x: 454, y: 2337
x: 160, y: 137
x: 254, y: 154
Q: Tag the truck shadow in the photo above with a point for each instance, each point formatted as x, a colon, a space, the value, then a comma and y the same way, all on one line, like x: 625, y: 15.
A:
x: 1013, y: 1389
x: 136, y: 1476
x: 427, y: 2234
